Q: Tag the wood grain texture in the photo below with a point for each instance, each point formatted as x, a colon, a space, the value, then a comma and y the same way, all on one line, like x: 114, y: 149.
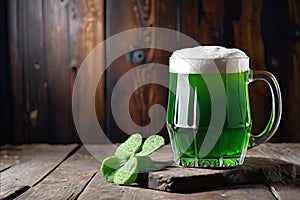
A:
x: 117, y: 22
x: 48, y: 40
x: 253, y: 171
x: 282, y: 59
x: 79, y: 177
x: 89, y: 34
x: 10, y: 155
x: 281, y: 191
x: 98, y: 188
x: 86, y: 26
x: 288, y: 152
x: 132, y: 14
x: 68, y: 180
x: 243, y: 192
x: 57, y: 85
x: 32, y: 167
x: 5, y: 78
x: 40, y: 72
x: 190, y: 18
x: 16, y: 56
x: 289, y: 75
x: 248, y: 37
x: 262, y: 170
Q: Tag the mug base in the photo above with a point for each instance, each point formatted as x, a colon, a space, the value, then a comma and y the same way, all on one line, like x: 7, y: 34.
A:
x: 210, y: 162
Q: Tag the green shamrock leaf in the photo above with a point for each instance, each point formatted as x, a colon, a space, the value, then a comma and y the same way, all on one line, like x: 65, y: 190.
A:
x: 130, y: 146
x: 109, y: 167
x: 152, y: 143
x: 127, y: 173
x: 130, y: 159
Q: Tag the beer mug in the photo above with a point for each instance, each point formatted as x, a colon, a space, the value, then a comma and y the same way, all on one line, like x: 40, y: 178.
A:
x: 208, y: 114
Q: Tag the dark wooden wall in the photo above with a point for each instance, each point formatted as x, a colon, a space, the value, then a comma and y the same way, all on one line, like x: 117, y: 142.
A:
x: 41, y: 74
x: 48, y: 40
x: 5, y: 87
x: 154, y: 14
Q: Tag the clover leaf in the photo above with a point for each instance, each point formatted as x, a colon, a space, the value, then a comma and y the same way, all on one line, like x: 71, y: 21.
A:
x: 130, y: 146
x: 152, y: 143
x: 131, y: 158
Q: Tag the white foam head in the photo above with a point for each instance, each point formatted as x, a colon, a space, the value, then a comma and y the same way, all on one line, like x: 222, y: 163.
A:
x: 208, y: 59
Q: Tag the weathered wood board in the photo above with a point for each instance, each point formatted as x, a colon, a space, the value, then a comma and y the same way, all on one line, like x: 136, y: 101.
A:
x: 68, y: 180
x: 263, y: 176
x: 256, y: 170
x: 64, y: 172
x: 244, y: 192
x: 10, y: 155
x: 32, y: 167
x: 98, y: 188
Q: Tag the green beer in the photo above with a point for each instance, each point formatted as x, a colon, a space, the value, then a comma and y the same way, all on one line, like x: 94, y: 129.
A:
x: 232, y: 143
x: 208, y: 113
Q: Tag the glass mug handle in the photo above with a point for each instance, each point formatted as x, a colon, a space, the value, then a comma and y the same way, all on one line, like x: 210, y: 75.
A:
x: 276, y: 109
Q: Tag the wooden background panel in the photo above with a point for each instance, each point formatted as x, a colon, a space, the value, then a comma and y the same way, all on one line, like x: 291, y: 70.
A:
x: 26, y: 57
x: 117, y: 22
x: 5, y: 85
x: 190, y: 17
x: 48, y: 40
x: 15, y: 52
x: 34, y: 71
x: 89, y: 34
x: 282, y: 58
x: 40, y: 72
x: 248, y: 37
x: 58, y: 73
x: 132, y: 14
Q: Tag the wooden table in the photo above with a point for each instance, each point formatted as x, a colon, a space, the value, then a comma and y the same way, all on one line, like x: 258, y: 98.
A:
x: 42, y: 171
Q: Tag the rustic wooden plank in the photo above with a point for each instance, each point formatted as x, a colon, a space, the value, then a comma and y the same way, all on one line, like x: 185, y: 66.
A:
x: 165, y: 16
x: 281, y: 191
x: 243, y: 192
x: 257, y: 169
x: 98, y: 188
x: 58, y: 73
x: 68, y: 180
x: 282, y: 59
x: 34, y: 72
x: 190, y: 18
x: 291, y: 77
x: 120, y: 16
x: 247, y: 35
x: 16, y: 55
x: 10, y: 155
x: 126, y: 15
x: 5, y: 84
x: 33, y: 166
x: 289, y: 152
x: 254, y: 171
x: 89, y: 17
